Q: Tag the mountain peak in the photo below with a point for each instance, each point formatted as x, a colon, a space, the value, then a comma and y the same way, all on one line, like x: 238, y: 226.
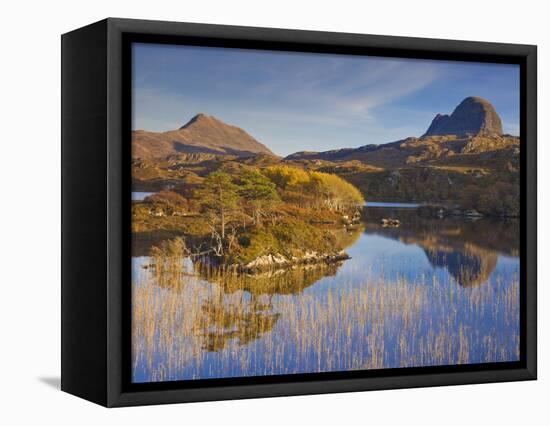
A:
x: 474, y: 115
x: 198, y: 118
x: 202, y: 134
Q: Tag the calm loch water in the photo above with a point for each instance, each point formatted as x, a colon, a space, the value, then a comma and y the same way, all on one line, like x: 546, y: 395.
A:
x: 140, y: 195
x: 430, y: 292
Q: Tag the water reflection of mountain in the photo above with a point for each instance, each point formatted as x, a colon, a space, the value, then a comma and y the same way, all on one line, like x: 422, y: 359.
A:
x: 468, y: 249
x: 469, y: 268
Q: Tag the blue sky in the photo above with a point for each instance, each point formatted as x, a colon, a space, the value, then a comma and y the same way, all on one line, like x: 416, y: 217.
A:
x: 307, y: 101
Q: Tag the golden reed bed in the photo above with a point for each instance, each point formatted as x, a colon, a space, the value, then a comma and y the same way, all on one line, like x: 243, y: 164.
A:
x: 185, y: 327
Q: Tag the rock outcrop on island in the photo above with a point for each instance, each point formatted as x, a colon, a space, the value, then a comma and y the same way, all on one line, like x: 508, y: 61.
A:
x: 202, y: 134
x: 474, y: 116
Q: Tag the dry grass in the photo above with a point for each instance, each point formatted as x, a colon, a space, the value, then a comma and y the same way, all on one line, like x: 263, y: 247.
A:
x: 194, y: 329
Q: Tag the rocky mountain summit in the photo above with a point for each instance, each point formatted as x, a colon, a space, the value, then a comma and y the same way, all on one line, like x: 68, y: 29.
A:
x: 474, y: 116
x: 203, y: 134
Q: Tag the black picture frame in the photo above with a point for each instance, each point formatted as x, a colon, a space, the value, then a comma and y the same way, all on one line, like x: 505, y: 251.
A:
x: 96, y: 89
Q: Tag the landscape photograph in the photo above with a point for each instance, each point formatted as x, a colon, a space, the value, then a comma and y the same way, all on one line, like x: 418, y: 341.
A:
x: 302, y: 213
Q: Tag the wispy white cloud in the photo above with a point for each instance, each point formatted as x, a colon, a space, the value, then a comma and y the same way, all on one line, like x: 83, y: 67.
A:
x: 351, y: 88
x: 336, y: 94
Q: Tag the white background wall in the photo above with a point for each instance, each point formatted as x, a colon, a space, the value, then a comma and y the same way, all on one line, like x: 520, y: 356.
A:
x: 30, y: 211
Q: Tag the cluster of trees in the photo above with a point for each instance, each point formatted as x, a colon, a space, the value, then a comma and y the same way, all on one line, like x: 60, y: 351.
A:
x: 313, y: 189
x: 252, y: 197
x: 227, y: 200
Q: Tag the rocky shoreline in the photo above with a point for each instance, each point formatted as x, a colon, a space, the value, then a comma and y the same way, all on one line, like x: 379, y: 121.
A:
x: 270, y: 262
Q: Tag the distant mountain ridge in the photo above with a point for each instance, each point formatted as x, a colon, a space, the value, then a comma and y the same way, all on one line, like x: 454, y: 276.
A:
x: 474, y: 127
x: 203, y: 134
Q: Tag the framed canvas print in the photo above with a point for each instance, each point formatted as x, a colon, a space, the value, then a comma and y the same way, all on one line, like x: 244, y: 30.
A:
x: 252, y: 212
